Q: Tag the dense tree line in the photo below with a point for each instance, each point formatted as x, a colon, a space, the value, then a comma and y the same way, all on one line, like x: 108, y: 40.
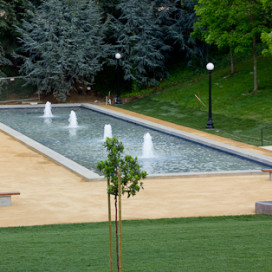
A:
x: 64, y: 43
x: 61, y: 44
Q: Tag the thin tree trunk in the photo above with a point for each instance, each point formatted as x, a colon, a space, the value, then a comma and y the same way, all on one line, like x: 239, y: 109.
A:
x: 116, y: 233
x: 231, y: 61
x: 255, y: 64
x: 120, y: 219
x: 110, y: 233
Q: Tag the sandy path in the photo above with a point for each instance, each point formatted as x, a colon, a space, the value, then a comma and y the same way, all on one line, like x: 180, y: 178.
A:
x: 51, y: 194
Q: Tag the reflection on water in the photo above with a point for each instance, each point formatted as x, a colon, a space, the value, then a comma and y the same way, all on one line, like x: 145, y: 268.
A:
x: 84, y: 143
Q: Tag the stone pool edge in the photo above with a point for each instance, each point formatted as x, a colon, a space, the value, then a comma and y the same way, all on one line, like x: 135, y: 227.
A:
x: 92, y: 176
x: 53, y: 155
x: 188, y: 136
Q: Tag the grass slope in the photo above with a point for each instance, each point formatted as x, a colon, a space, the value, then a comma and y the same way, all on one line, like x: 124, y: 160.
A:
x: 238, y: 243
x: 237, y: 112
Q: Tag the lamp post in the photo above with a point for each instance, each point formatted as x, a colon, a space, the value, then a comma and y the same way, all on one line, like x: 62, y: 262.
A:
x: 210, y: 67
x: 118, y: 99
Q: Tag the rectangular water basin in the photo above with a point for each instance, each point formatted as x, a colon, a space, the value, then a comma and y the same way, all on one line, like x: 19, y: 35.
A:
x: 79, y: 148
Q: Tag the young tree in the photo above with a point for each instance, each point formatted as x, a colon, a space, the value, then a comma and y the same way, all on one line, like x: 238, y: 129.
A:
x: 131, y: 175
x: 139, y: 41
x: 63, y: 44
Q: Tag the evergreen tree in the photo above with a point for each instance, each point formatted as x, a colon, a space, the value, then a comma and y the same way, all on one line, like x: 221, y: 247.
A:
x: 11, y: 13
x: 108, y: 7
x: 139, y: 41
x: 3, y: 62
x: 63, y: 41
x: 176, y: 20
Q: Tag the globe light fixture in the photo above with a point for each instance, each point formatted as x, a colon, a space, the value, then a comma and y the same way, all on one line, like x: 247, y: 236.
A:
x: 118, y: 56
x: 210, y: 67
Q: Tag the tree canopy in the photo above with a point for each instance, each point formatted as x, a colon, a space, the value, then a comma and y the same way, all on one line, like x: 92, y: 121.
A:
x: 66, y: 43
x: 266, y: 35
x: 138, y: 39
x: 62, y: 45
x: 237, y: 24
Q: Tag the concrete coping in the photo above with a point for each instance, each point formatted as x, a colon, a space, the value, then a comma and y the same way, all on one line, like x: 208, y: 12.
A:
x: 90, y: 175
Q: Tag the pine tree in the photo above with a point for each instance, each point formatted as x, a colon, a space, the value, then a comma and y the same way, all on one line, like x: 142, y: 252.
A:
x: 63, y: 44
x: 12, y: 12
x: 3, y: 62
x: 176, y: 19
x: 139, y: 42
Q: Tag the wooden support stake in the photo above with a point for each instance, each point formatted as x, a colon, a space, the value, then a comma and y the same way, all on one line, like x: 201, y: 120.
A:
x: 120, y: 220
x: 109, y: 219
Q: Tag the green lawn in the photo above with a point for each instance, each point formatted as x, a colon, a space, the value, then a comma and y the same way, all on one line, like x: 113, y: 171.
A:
x: 237, y: 112
x: 238, y: 243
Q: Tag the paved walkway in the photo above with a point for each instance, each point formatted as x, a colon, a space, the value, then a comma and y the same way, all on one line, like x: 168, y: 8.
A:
x: 51, y: 194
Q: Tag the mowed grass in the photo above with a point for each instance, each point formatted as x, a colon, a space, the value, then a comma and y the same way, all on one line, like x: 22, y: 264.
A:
x: 235, y: 243
x: 238, y: 113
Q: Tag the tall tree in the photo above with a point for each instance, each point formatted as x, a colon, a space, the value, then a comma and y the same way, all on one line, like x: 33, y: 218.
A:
x: 176, y: 20
x: 3, y: 62
x: 253, y: 19
x: 12, y: 12
x: 216, y: 24
x: 138, y: 40
x: 267, y: 36
x: 242, y: 20
x: 63, y: 41
x: 108, y: 7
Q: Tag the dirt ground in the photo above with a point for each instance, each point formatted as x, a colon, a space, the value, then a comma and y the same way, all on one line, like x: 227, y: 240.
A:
x: 51, y: 194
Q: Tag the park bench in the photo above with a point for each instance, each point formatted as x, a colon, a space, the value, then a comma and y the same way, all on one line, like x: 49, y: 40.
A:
x: 268, y: 171
x: 5, y: 198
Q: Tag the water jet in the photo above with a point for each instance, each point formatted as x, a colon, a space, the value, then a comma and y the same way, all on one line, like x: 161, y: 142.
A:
x: 47, y: 110
x: 148, y: 150
x: 73, y: 120
x: 107, y: 132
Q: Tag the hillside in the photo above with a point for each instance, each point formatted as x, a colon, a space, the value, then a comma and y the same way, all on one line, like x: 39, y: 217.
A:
x: 238, y: 113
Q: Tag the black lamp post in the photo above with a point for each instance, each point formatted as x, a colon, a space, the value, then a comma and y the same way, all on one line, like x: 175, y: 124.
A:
x: 210, y: 67
x: 118, y: 99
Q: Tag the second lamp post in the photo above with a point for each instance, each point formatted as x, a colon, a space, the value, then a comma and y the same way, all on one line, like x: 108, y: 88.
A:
x: 210, y: 67
x: 118, y: 98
